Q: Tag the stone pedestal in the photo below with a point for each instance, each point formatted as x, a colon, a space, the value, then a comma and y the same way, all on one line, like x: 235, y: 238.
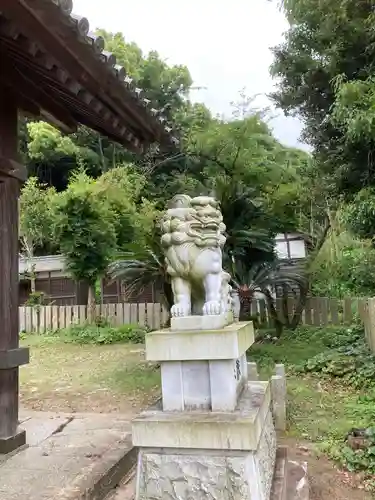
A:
x: 201, y: 370
x: 211, y: 436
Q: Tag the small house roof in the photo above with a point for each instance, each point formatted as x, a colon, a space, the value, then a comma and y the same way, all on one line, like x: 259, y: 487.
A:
x: 60, y: 71
x: 47, y: 263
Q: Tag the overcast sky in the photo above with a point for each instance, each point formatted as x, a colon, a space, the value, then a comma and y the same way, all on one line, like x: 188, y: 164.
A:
x: 224, y: 43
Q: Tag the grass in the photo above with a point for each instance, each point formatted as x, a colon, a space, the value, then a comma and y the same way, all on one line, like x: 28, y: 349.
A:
x: 71, y: 377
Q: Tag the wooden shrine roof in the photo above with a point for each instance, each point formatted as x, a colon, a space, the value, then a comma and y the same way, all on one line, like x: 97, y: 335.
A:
x: 60, y: 71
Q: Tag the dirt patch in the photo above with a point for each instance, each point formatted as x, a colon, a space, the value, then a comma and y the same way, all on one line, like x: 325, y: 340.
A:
x: 325, y: 480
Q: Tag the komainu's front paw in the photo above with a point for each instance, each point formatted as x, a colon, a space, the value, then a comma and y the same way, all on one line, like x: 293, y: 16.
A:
x: 211, y: 308
x: 180, y: 310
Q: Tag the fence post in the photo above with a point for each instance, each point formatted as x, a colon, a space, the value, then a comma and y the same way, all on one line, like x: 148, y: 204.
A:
x: 252, y: 371
x: 278, y: 391
x: 370, y: 324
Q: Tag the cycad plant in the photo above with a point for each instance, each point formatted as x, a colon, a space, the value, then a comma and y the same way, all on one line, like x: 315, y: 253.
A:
x: 264, y: 280
x: 143, y: 265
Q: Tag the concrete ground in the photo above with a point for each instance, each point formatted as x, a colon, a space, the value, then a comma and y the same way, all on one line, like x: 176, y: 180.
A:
x: 69, y: 456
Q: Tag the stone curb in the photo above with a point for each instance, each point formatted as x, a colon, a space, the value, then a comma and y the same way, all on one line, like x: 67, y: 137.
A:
x: 104, y: 476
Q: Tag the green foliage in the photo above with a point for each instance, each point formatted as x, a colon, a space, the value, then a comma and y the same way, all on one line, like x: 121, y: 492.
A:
x: 263, y: 279
x: 35, y: 299
x: 166, y: 86
x: 360, y: 214
x: 36, y: 215
x: 85, y: 229
x: 350, y: 274
x: 348, y: 358
x: 52, y: 156
x: 143, y: 264
x: 325, y: 73
x: 323, y: 407
x: 101, y: 334
x: 296, y: 347
x: 360, y: 460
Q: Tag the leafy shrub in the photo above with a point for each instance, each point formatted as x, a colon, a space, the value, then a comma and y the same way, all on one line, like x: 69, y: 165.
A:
x: 103, y: 334
x: 348, y: 358
x: 357, y: 455
x: 352, y: 273
x: 35, y: 299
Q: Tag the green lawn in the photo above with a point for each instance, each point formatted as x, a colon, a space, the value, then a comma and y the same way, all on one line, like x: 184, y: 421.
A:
x: 71, y: 377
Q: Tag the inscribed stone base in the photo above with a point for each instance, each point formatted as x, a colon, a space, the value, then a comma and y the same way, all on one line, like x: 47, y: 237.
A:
x: 203, y: 385
x: 9, y: 444
x: 201, y: 474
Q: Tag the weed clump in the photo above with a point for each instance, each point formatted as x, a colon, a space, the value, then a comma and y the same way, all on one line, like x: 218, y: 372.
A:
x: 103, y: 334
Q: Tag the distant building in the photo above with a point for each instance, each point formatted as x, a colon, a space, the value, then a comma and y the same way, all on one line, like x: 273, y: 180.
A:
x: 52, y: 279
x: 291, y: 246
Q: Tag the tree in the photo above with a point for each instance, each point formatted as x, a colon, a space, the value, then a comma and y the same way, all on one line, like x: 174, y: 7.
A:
x: 360, y: 214
x: 36, y: 221
x: 52, y: 156
x: 166, y: 86
x: 86, y: 231
x: 329, y: 42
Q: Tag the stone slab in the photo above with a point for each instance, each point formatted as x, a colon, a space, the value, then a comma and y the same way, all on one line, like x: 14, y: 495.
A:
x: 238, y: 430
x: 82, y: 462
x: 39, y: 429
x: 279, y: 485
x: 230, y: 342
x: 201, y: 474
x: 297, y: 481
x: 191, y: 323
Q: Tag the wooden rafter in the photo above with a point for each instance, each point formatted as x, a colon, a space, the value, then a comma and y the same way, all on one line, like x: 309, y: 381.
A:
x: 74, y: 58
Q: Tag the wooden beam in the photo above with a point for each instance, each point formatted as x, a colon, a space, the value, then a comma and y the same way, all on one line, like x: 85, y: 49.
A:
x: 94, y: 115
x: 34, y: 93
x: 43, y: 22
x: 11, y: 437
x: 11, y: 168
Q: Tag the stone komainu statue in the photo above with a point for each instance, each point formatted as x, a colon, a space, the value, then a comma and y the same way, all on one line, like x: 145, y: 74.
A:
x: 193, y: 238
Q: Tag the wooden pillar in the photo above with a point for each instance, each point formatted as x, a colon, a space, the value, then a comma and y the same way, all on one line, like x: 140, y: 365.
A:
x: 11, y: 356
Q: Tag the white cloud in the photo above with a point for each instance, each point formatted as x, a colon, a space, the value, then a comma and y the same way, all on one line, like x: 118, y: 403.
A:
x: 225, y: 44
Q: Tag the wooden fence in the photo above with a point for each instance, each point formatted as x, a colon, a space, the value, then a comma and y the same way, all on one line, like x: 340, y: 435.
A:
x: 318, y: 312
x: 51, y: 318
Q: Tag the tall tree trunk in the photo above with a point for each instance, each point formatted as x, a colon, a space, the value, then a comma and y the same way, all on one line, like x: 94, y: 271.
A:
x: 28, y: 246
x: 91, y: 304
